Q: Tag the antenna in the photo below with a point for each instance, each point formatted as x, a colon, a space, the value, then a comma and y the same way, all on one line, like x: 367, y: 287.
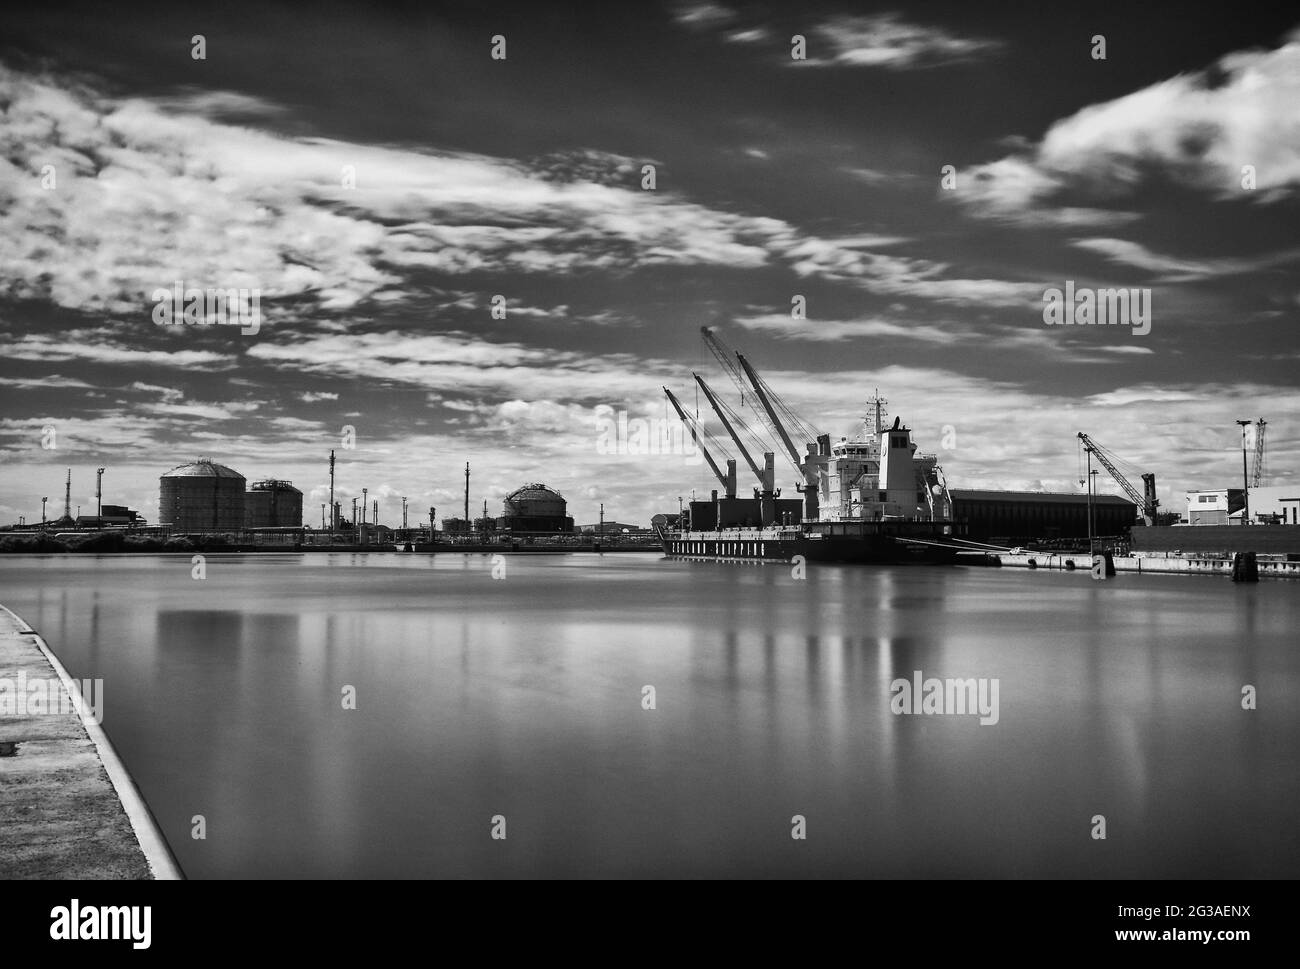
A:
x: 878, y: 403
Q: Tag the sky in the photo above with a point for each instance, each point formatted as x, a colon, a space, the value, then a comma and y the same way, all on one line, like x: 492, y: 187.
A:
x: 918, y: 181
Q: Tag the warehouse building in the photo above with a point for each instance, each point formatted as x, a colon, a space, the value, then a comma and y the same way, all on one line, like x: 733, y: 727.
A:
x: 1021, y: 516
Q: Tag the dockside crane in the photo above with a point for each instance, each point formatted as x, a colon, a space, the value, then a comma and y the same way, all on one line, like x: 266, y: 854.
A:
x: 1146, y: 500
x: 1257, y: 478
x: 727, y: 480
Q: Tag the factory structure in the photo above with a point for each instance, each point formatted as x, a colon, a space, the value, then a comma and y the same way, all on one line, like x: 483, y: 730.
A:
x: 533, y: 508
x: 205, y: 496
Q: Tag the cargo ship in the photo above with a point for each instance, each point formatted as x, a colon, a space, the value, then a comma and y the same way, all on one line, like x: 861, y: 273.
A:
x: 873, y: 499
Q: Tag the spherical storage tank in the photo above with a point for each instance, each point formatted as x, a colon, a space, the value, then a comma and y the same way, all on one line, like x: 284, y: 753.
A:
x: 535, y: 508
x: 201, y: 497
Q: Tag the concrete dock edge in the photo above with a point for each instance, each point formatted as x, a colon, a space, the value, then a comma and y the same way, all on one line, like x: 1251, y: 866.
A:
x: 157, y: 853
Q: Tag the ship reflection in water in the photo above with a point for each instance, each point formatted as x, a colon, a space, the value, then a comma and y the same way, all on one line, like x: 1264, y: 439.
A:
x: 524, y: 697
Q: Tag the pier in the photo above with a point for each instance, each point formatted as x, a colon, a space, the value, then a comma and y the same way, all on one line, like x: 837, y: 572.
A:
x: 68, y: 806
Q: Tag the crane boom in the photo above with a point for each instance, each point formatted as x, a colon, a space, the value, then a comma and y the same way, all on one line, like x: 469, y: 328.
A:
x: 726, y: 358
x: 718, y: 409
x: 1147, y: 500
x: 767, y: 406
x: 695, y: 436
x: 1257, y: 478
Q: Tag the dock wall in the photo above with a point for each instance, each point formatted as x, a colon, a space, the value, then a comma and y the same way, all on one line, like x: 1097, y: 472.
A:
x: 68, y: 807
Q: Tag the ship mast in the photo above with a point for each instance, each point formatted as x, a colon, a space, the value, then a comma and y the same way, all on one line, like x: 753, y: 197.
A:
x: 878, y: 402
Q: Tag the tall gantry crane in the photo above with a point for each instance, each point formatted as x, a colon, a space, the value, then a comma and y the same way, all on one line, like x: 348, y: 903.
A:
x: 1146, y: 501
x: 1257, y: 478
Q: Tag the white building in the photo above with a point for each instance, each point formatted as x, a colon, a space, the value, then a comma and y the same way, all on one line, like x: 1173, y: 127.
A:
x: 1278, y: 504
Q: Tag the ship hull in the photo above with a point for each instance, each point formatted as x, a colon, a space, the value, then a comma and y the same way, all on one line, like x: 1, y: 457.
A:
x: 887, y: 543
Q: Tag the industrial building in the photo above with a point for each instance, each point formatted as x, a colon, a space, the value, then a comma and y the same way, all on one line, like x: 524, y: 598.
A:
x: 113, y: 515
x: 1026, y: 515
x: 273, y: 504
x: 1275, y: 505
x: 612, y: 528
x: 534, y: 508
x: 202, y: 497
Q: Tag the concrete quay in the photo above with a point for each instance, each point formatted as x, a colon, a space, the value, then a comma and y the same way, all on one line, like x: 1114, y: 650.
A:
x: 68, y: 806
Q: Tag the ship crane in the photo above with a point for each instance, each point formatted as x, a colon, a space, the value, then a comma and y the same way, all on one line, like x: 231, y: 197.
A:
x: 732, y: 363
x: 730, y: 419
x: 727, y: 480
x: 1146, y: 500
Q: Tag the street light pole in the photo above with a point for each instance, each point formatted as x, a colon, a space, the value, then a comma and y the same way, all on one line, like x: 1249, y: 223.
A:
x: 1245, y: 479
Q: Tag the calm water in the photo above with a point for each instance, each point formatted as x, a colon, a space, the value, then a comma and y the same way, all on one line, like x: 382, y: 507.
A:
x: 522, y: 697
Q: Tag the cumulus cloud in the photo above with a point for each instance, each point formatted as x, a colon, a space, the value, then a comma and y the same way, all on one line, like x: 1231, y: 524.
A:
x: 1197, y: 129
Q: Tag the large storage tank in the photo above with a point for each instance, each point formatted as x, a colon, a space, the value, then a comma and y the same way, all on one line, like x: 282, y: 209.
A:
x: 273, y: 504
x: 535, y: 508
x: 201, y: 497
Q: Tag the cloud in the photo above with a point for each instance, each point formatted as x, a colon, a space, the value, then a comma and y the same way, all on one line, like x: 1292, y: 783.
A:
x: 887, y: 41
x: 94, y: 346
x: 1196, y: 129
x: 781, y: 325
x: 234, y: 206
x: 51, y: 382
x: 1175, y: 269
x: 703, y: 15
x: 749, y: 35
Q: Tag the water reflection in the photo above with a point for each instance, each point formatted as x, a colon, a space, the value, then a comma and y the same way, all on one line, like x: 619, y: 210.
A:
x: 523, y: 697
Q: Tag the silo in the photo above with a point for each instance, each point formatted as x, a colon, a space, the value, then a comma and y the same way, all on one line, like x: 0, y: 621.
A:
x: 273, y: 504
x: 201, y: 497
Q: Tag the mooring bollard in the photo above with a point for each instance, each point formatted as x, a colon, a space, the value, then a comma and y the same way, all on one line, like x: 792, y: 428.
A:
x: 1103, y: 565
x: 1244, y: 567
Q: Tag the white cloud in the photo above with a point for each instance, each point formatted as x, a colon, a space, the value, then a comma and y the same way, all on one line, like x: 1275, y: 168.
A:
x: 886, y: 40
x: 702, y: 15
x: 1198, y: 129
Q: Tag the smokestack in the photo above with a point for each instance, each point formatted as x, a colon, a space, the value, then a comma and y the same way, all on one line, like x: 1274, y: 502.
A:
x: 334, y: 522
x: 67, y: 496
x: 467, y: 523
